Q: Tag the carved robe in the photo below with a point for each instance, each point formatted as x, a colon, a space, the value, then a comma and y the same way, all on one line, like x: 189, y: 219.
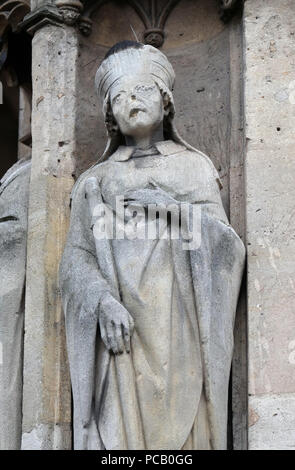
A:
x: 183, y: 304
x: 14, y: 195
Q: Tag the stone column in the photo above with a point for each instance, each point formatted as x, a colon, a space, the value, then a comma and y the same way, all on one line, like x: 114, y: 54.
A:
x: 269, y: 45
x: 237, y: 219
x: 46, y: 394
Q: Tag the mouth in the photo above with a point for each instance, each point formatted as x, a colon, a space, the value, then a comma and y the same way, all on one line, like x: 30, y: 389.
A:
x: 134, y: 112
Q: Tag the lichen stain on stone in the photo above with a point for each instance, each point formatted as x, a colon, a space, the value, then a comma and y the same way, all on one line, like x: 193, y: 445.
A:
x: 253, y: 417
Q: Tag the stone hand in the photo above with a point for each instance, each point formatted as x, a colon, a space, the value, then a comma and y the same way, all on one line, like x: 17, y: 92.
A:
x: 146, y: 196
x: 116, y: 325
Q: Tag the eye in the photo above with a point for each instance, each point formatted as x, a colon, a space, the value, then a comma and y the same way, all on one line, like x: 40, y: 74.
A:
x: 116, y: 99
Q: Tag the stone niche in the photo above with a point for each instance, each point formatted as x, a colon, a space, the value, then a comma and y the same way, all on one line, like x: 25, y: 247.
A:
x: 206, y: 54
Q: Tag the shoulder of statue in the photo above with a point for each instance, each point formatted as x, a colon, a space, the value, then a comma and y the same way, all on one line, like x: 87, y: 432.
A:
x: 94, y: 170
x: 205, y: 164
x: 20, y: 168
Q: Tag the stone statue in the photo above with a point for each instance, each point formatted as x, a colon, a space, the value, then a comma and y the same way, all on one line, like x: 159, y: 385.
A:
x: 149, y: 321
x: 14, y: 196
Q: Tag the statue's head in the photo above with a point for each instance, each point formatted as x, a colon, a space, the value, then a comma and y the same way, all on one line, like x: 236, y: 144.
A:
x: 135, y: 83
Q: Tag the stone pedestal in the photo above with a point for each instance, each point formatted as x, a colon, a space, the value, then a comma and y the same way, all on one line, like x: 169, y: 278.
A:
x: 269, y: 45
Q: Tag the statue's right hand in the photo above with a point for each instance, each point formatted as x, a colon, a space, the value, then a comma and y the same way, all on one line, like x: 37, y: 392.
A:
x: 116, y: 325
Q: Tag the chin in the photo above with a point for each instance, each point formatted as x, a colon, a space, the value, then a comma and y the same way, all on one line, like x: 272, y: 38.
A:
x: 141, y: 124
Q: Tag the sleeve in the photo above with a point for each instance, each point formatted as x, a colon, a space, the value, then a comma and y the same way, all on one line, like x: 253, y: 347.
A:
x: 204, y: 198
x: 217, y: 269
x: 14, y: 208
x: 210, y: 190
x: 13, y: 236
x: 82, y: 287
x: 79, y: 271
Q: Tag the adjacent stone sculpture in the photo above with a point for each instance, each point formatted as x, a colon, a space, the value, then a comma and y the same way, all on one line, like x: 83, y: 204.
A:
x: 14, y: 195
x: 149, y: 320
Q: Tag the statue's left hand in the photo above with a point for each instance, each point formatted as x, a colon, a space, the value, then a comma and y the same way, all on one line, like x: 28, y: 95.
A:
x: 146, y: 196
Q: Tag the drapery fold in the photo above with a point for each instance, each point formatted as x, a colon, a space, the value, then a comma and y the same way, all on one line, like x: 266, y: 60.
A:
x: 183, y: 303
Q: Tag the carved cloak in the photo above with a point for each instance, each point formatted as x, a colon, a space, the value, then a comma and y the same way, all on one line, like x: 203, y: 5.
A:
x: 182, y: 300
x: 14, y: 195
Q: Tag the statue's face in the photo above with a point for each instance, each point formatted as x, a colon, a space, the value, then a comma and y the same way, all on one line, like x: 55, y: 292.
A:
x: 137, y: 106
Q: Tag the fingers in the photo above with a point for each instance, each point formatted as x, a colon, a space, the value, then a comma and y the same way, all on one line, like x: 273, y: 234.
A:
x: 138, y: 197
x: 119, y: 338
x: 131, y: 324
x: 116, y: 327
x: 143, y: 197
x: 116, y: 337
x: 133, y: 204
x: 111, y: 338
x: 153, y: 184
x: 108, y: 336
x: 103, y: 334
x: 126, y: 335
x: 130, y: 196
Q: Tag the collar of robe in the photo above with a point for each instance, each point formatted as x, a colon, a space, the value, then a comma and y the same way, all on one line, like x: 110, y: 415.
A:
x: 165, y: 147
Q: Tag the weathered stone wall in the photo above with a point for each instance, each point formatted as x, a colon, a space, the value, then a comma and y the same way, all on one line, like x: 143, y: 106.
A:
x: 269, y: 49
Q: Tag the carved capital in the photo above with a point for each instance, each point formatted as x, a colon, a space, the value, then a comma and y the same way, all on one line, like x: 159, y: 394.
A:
x: 154, y: 37
x: 85, y: 25
x: 61, y: 12
x: 70, y: 10
x: 42, y: 16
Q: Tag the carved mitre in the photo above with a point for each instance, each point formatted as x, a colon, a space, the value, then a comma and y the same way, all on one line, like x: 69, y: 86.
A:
x: 135, y: 59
